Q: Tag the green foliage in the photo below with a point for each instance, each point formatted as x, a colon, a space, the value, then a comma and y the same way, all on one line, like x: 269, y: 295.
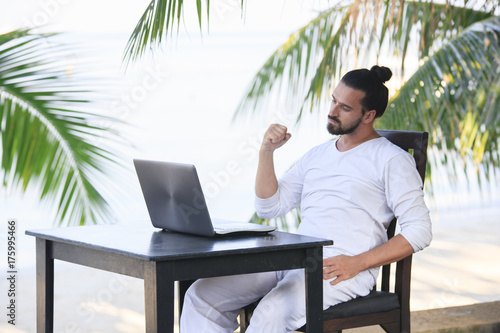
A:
x: 342, y: 37
x: 283, y: 223
x: 51, y: 135
x: 454, y: 96
x: 159, y: 18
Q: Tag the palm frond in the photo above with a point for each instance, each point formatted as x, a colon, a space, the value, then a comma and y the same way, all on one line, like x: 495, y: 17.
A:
x: 160, y: 18
x: 455, y: 96
x: 341, y: 37
x: 49, y: 139
x: 292, y: 62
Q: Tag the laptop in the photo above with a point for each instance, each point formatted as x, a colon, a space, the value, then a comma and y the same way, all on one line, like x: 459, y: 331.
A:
x: 175, y: 201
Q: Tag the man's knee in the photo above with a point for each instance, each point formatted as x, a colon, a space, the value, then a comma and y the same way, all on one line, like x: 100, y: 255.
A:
x: 283, y: 309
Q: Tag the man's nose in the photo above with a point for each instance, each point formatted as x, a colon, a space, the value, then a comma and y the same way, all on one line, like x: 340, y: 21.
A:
x: 334, y: 110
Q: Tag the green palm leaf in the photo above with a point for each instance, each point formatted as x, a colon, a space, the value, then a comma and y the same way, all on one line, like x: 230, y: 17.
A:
x: 49, y: 138
x: 341, y: 37
x: 455, y: 96
x: 159, y: 18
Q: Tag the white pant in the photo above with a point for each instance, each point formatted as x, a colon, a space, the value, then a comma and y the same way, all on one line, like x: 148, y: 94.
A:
x: 213, y: 304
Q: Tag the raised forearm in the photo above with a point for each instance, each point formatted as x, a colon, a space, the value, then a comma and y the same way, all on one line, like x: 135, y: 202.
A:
x: 266, y: 183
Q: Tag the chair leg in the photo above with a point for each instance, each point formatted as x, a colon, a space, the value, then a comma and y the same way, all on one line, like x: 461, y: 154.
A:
x: 392, y: 328
x: 405, y: 324
x: 245, y: 316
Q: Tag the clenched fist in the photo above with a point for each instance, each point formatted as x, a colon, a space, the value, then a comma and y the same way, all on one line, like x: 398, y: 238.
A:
x: 275, y: 137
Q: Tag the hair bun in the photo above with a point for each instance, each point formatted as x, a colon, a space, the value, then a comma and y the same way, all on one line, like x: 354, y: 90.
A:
x: 383, y: 73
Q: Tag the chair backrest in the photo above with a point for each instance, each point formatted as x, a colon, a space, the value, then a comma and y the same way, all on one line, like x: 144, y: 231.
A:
x: 416, y: 144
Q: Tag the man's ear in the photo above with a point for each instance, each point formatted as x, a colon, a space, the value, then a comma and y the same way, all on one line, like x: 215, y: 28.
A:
x: 369, y: 116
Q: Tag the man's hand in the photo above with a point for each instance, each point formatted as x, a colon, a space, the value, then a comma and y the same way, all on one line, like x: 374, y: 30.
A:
x: 346, y: 267
x: 275, y: 137
x: 341, y: 268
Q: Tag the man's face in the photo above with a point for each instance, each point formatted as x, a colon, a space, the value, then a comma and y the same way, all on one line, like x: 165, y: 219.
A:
x: 346, y: 111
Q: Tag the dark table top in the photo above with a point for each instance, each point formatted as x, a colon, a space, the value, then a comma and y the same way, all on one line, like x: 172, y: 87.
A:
x: 149, y: 243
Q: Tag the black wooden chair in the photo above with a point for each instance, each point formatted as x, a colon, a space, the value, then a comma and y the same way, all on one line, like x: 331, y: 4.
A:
x: 384, y: 306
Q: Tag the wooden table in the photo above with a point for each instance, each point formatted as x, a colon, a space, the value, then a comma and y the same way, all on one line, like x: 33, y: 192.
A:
x: 161, y: 258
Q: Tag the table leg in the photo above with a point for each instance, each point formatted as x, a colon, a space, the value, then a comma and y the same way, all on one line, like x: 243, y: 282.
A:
x: 314, y: 290
x: 44, y: 287
x: 183, y: 287
x: 159, y: 297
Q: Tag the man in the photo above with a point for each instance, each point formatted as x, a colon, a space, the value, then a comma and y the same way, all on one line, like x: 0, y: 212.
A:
x: 349, y: 190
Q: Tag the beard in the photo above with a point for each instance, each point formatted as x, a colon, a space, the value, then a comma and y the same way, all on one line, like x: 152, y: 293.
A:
x: 339, y: 129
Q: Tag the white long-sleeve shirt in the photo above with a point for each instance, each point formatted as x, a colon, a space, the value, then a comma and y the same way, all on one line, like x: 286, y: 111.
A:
x: 352, y: 196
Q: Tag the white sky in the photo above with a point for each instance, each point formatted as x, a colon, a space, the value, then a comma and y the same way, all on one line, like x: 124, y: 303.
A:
x: 111, y: 16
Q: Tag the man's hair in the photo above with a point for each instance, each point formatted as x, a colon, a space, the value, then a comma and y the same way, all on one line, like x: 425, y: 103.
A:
x: 371, y: 82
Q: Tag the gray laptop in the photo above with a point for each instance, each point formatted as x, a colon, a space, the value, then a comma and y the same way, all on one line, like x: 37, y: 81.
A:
x: 175, y: 201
